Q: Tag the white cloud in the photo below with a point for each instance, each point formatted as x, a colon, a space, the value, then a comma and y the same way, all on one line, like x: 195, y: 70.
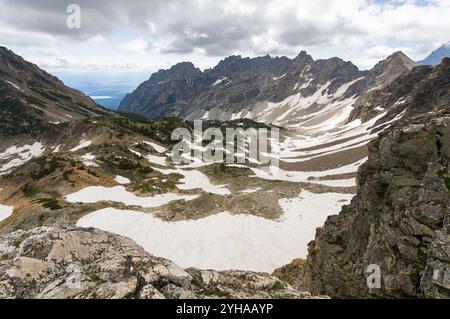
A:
x: 363, y: 31
x: 137, y: 46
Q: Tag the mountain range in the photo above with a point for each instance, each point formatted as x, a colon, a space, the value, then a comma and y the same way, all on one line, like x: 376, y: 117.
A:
x: 262, y: 89
x: 363, y: 179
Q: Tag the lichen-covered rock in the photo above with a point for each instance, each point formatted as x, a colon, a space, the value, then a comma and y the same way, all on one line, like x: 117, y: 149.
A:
x: 57, y: 262
x: 436, y: 278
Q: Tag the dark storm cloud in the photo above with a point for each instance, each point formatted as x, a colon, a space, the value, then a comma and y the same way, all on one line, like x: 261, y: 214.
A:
x: 216, y: 27
x: 98, y: 16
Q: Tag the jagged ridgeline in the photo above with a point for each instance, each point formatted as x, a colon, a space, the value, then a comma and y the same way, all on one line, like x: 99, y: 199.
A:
x: 279, y: 90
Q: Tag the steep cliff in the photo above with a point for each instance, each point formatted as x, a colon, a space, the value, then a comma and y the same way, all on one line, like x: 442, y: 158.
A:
x: 400, y: 218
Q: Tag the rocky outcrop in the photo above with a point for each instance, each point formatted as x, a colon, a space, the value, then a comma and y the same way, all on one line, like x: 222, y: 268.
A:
x: 53, y: 262
x: 399, y: 220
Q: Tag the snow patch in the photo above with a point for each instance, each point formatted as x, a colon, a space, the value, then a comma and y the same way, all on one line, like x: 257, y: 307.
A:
x: 135, y: 152
x: 56, y: 149
x: 194, y: 179
x: 119, y: 194
x: 23, y: 154
x: 276, y: 173
x: 158, y: 160
x: 160, y: 149
x: 5, y: 212
x: 279, y: 77
x: 251, y: 191
x: 220, y: 81
x: 83, y: 144
x: 88, y: 160
x: 122, y: 180
x: 14, y: 85
x: 224, y: 241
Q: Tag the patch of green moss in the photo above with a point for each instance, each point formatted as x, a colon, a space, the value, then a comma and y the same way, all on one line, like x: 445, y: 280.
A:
x: 93, y: 173
x: 447, y: 182
x: 197, y: 281
x: 214, y: 291
x: 30, y: 190
x: 94, y: 277
x: 46, y: 167
x: 50, y: 203
x: 16, y: 243
x: 5, y: 257
x: 66, y: 175
x: 419, y: 267
x: 177, y: 207
x: 278, y: 286
x: 36, y: 101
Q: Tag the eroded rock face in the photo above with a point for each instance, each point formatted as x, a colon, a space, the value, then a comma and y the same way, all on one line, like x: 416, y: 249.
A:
x: 53, y: 262
x: 238, y: 85
x: 400, y: 219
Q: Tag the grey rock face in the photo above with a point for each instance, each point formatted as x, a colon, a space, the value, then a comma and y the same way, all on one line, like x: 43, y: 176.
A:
x: 436, y: 277
x: 52, y: 262
x: 240, y: 84
x: 398, y: 220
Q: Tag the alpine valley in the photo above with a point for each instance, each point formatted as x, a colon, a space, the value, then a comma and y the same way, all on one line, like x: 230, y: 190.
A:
x: 92, y: 205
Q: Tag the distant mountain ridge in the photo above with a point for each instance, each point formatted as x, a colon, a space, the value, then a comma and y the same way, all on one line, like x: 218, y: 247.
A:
x: 437, y: 55
x: 245, y: 87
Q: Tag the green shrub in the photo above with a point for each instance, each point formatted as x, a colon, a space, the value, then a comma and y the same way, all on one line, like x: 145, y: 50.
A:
x: 447, y: 182
x: 30, y: 190
x: 51, y: 203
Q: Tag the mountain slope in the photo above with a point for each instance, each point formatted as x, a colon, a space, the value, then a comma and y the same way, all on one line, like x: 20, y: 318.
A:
x: 31, y: 99
x: 247, y: 88
x: 437, y: 55
x: 399, y: 218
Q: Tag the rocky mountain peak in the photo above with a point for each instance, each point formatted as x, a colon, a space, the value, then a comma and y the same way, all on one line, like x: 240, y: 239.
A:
x: 386, y: 71
x: 178, y: 71
x: 304, y: 58
x: 400, y: 57
x: 396, y: 60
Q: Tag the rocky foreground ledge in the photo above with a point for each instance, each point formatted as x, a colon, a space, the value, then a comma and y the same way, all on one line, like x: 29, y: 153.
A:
x: 56, y: 262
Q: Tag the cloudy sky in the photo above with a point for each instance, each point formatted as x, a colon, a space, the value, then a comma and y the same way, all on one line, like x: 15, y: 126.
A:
x: 138, y: 35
